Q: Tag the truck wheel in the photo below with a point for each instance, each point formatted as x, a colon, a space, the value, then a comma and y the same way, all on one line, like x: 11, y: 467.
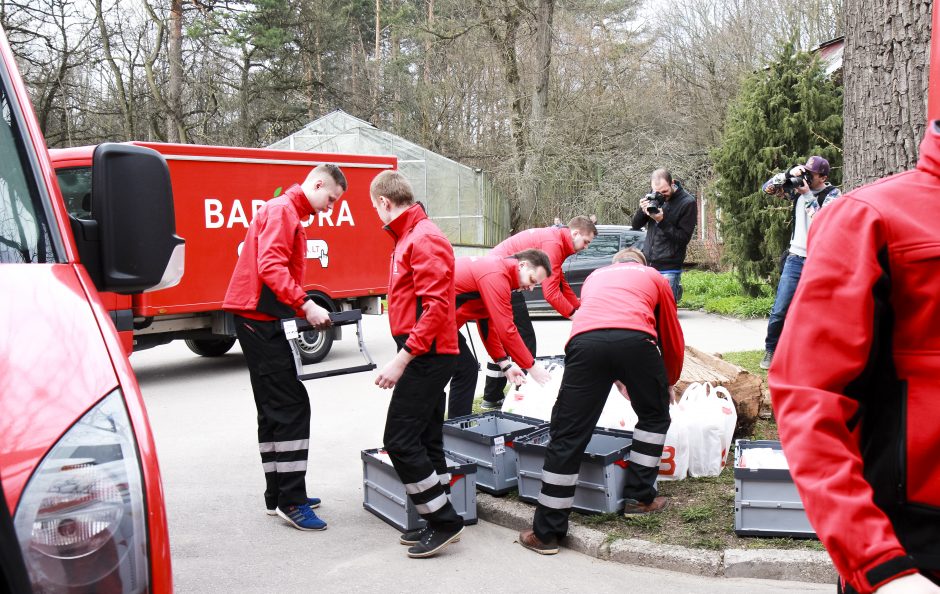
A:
x: 211, y: 347
x: 314, y: 345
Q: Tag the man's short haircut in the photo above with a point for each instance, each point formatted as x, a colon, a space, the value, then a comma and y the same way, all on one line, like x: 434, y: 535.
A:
x: 629, y: 255
x: 394, y: 186
x: 583, y: 225
x: 662, y: 174
x: 334, y: 172
x: 536, y: 258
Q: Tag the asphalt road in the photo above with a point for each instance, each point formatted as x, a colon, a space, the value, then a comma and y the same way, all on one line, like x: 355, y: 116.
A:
x: 203, y: 419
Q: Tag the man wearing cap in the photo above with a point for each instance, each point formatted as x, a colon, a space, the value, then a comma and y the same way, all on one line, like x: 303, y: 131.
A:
x: 814, y: 193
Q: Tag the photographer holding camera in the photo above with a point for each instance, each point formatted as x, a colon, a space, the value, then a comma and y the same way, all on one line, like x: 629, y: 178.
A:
x: 669, y: 214
x: 809, y: 188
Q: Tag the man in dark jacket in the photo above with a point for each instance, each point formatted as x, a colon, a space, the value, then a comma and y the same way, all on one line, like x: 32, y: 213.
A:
x: 422, y: 319
x: 856, y: 378
x: 267, y: 285
x: 669, y: 214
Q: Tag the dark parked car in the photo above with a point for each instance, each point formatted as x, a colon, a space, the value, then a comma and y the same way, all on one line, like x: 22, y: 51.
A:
x: 610, y: 240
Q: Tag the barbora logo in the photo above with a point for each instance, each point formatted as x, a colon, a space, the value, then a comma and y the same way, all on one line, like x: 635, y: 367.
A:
x: 317, y: 249
x: 219, y: 215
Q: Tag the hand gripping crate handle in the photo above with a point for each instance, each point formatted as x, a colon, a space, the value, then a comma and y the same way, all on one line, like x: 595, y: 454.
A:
x: 294, y: 326
x: 339, y: 318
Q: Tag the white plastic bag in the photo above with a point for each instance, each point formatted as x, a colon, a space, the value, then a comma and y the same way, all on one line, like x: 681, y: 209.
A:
x: 730, y: 415
x: 674, y: 464
x: 618, y: 412
x: 532, y: 400
x: 710, y: 416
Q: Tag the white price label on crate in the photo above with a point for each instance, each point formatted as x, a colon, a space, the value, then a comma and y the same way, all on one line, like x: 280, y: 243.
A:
x: 499, y: 445
x: 290, y: 329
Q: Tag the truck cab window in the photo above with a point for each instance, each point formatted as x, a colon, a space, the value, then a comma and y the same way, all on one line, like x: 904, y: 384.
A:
x: 24, y: 230
x: 75, y: 185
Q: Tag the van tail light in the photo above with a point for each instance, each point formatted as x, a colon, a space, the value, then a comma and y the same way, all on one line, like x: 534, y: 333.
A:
x: 81, y: 521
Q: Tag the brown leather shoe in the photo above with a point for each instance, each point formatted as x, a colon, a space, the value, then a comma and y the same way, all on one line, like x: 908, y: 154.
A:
x: 633, y: 507
x: 529, y: 540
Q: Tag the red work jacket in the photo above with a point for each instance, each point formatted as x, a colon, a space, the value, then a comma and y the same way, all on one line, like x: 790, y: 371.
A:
x: 484, y: 287
x: 855, y: 379
x: 557, y: 243
x: 274, y: 255
x: 421, y: 285
x: 632, y: 296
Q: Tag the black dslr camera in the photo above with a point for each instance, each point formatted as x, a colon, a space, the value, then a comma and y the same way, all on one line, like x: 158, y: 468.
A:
x: 656, y: 202
x: 786, y: 182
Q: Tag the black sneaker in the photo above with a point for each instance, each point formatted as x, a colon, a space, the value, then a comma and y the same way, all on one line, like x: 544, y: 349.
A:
x: 432, y: 542
x: 413, y: 537
x: 487, y: 405
x: 767, y: 360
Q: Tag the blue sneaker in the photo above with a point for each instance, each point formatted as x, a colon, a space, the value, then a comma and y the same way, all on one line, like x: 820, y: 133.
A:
x: 302, y: 517
x: 313, y: 502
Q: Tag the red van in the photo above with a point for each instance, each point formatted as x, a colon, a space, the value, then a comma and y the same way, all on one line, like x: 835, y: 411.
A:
x: 82, y: 507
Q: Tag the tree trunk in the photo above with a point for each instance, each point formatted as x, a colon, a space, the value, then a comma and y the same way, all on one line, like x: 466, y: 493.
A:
x: 175, y: 128
x: 505, y: 43
x: 538, y: 122
x: 427, y: 44
x: 244, y: 98
x: 887, y: 44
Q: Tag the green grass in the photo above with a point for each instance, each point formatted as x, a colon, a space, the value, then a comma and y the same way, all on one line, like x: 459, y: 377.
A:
x: 749, y: 360
x: 722, y: 293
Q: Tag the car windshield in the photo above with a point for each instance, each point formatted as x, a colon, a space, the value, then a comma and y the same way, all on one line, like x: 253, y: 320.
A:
x: 603, y: 246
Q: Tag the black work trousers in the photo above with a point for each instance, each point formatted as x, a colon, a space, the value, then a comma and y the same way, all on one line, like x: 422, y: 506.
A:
x: 593, y: 361
x: 464, y: 382
x: 283, y: 411
x: 495, y: 380
x: 414, y: 438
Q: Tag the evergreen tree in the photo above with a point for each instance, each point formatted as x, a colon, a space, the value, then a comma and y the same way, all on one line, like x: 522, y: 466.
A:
x: 782, y: 115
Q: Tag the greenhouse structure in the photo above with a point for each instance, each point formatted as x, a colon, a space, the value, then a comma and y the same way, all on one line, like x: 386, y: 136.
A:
x: 463, y: 201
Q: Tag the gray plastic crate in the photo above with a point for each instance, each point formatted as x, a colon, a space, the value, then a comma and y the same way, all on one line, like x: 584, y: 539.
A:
x: 384, y: 494
x: 601, y: 477
x: 766, y: 502
x: 488, y: 440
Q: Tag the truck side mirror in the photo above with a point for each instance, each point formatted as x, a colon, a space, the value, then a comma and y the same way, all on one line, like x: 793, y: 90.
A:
x: 132, y: 204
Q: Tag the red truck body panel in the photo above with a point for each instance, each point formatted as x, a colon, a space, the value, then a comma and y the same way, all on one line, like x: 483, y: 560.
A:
x: 216, y: 191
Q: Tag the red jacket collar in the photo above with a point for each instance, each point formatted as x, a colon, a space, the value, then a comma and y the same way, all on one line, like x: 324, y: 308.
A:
x: 511, y: 267
x: 929, y: 160
x: 564, y: 233
x: 297, y: 197
x: 406, y: 220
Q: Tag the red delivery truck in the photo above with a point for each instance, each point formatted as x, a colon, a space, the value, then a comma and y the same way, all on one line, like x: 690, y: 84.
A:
x: 216, y: 191
x: 82, y: 506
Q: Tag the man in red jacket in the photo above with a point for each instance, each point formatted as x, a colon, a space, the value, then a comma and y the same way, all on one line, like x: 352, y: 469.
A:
x: 267, y: 285
x: 421, y: 315
x: 626, y: 333
x: 856, y: 378
x: 484, y: 287
x: 558, y: 243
